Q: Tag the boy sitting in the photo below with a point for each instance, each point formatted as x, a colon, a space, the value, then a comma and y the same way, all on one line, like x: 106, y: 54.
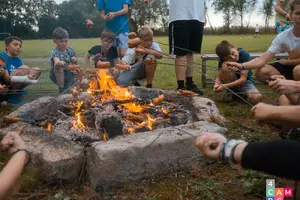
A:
x: 15, y: 67
x: 4, y: 81
x: 105, y: 52
x: 142, y: 66
x: 240, y: 82
x: 61, y: 57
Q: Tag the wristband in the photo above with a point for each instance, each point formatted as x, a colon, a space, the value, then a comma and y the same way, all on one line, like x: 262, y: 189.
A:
x: 243, y: 66
x: 27, y: 153
x: 228, y: 150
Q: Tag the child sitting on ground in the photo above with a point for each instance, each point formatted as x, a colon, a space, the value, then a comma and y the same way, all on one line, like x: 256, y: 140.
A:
x: 142, y: 65
x: 240, y: 82
x: 104, y: 53
x: 4, y: 81
x: 61, y: 57
x: 15, y: 67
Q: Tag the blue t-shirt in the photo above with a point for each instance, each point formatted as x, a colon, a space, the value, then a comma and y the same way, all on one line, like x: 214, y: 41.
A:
x: 244, y: 56
x: 11, y: 63
x: 118, y: 24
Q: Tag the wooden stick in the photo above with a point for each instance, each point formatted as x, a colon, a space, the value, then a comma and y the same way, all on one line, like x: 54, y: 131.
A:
x: 136, y: 118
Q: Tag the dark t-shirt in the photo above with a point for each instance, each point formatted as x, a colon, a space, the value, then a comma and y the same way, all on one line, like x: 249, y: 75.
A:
x: 98, y: 54
x: 244, y: 56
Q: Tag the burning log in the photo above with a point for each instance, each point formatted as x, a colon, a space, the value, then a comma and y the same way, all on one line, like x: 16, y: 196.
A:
x: 136, y: 118
x: 10, y: 119
x: 158, y: 100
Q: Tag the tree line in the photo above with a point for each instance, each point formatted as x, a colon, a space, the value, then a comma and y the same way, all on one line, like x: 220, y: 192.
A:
x: 34, y: 19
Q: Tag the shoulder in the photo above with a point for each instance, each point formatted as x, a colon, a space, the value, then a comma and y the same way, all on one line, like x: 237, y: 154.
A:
x: 4, y: 55
x: 243, y: 52
x: 126, y: 2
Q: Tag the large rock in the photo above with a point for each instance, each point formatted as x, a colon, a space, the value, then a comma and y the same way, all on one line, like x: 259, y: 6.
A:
x: 56, y: 158
x: 145, y: 154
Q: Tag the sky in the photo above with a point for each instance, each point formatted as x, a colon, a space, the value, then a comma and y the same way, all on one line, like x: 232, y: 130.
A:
x: 216, y: 19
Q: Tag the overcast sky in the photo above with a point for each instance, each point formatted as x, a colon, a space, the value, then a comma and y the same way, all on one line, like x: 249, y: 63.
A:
x: 216, y: 19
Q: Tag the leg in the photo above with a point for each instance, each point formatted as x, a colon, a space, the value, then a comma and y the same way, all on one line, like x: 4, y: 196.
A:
x: 283, y: 100
x: 122, y: 44
x: 179, y: 33
x: 21, y: 71
x: 137, y: 71
x: 150, y: 69
x: 296, y: 73
x: 254, y: 96
x: 226, y: 77
x: 59, y: 74
x: 263, y: 74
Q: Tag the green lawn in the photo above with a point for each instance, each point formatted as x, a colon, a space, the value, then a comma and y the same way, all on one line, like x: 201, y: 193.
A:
x: 42, y: 48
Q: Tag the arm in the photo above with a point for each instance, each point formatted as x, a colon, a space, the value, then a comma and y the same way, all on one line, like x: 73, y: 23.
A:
x: 238, y: 82
x: 287, y: 116
x: 155, y: 53
x: 292, y: 62
x: 253, y: 64
x: 87, y: 60
x: 112, y: 15
x: 264, y: 156
x: 6, y: 77
x: 13, y: 169
x: 103, y: 15
x: 260, y: 156
x: 279, y: 10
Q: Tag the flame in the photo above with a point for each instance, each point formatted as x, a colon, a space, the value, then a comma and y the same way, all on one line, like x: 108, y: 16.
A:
x: 103, y: 89
x: 165, y: 111
x: 105, y: 136
x: 49, y: 126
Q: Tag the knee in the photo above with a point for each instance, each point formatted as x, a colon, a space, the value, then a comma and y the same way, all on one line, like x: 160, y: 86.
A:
x: 296, y: 71
x: 226, y: 77
x: 123, y: 81
x: 255, y: 98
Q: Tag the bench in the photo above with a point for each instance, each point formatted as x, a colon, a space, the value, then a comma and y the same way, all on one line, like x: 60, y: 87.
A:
x: 206, y: 57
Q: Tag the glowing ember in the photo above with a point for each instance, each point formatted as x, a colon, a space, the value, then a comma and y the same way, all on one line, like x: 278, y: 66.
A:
x: 105, y: 136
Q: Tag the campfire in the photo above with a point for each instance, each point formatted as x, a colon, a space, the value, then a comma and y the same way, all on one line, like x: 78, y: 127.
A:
x: 112, y: 110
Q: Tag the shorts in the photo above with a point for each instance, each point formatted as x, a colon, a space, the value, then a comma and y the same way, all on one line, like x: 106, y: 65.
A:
x: 69, y: 78
x: 137, y: 72
x: 121, y: 40
x: 282, y: 26
x: 185, y: 36
x: 248, y: 85
x: 285, y: 70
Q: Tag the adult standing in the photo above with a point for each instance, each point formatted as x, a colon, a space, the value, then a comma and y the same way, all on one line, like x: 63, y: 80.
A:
x: 187, y: 20
x: 283, y: 15
x: 114, y: 14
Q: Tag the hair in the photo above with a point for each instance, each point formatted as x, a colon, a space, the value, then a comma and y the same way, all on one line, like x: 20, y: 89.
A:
x: 108, y: 34
x: 9, y: 40
x: 60, y: 33
x: 2, y: 59
x: 145, y: 31
x: 223, y: 49
x: 293, y: 4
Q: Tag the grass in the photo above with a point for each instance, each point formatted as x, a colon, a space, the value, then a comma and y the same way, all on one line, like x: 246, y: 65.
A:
x: 42, y: 48
x: 208, y: 181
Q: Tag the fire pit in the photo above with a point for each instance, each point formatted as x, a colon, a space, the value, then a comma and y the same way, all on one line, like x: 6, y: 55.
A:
x: 112, y: 135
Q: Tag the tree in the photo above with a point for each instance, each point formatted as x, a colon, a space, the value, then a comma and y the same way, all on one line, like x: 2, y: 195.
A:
x: 226, y: 7
x: 267, y: 11
x: 153, y: 14
x: 241, y: 6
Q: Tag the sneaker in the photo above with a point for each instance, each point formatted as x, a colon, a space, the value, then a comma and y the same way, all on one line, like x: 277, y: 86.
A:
x: 3, y: 103
x: 137, y: 84
x: 292, y: 134
x: 195, y: 89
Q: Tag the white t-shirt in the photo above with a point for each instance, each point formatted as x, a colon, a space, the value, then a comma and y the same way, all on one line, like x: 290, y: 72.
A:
x: 257, y: 29
x: 130, y: 54
x: 187, y: 10
x: 285, y: 41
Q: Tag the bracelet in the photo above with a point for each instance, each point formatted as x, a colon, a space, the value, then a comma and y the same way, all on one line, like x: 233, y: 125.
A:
x: 27, y: 153
x: 229, y: 147
x: 222, y: 151
x: 243, y: 66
